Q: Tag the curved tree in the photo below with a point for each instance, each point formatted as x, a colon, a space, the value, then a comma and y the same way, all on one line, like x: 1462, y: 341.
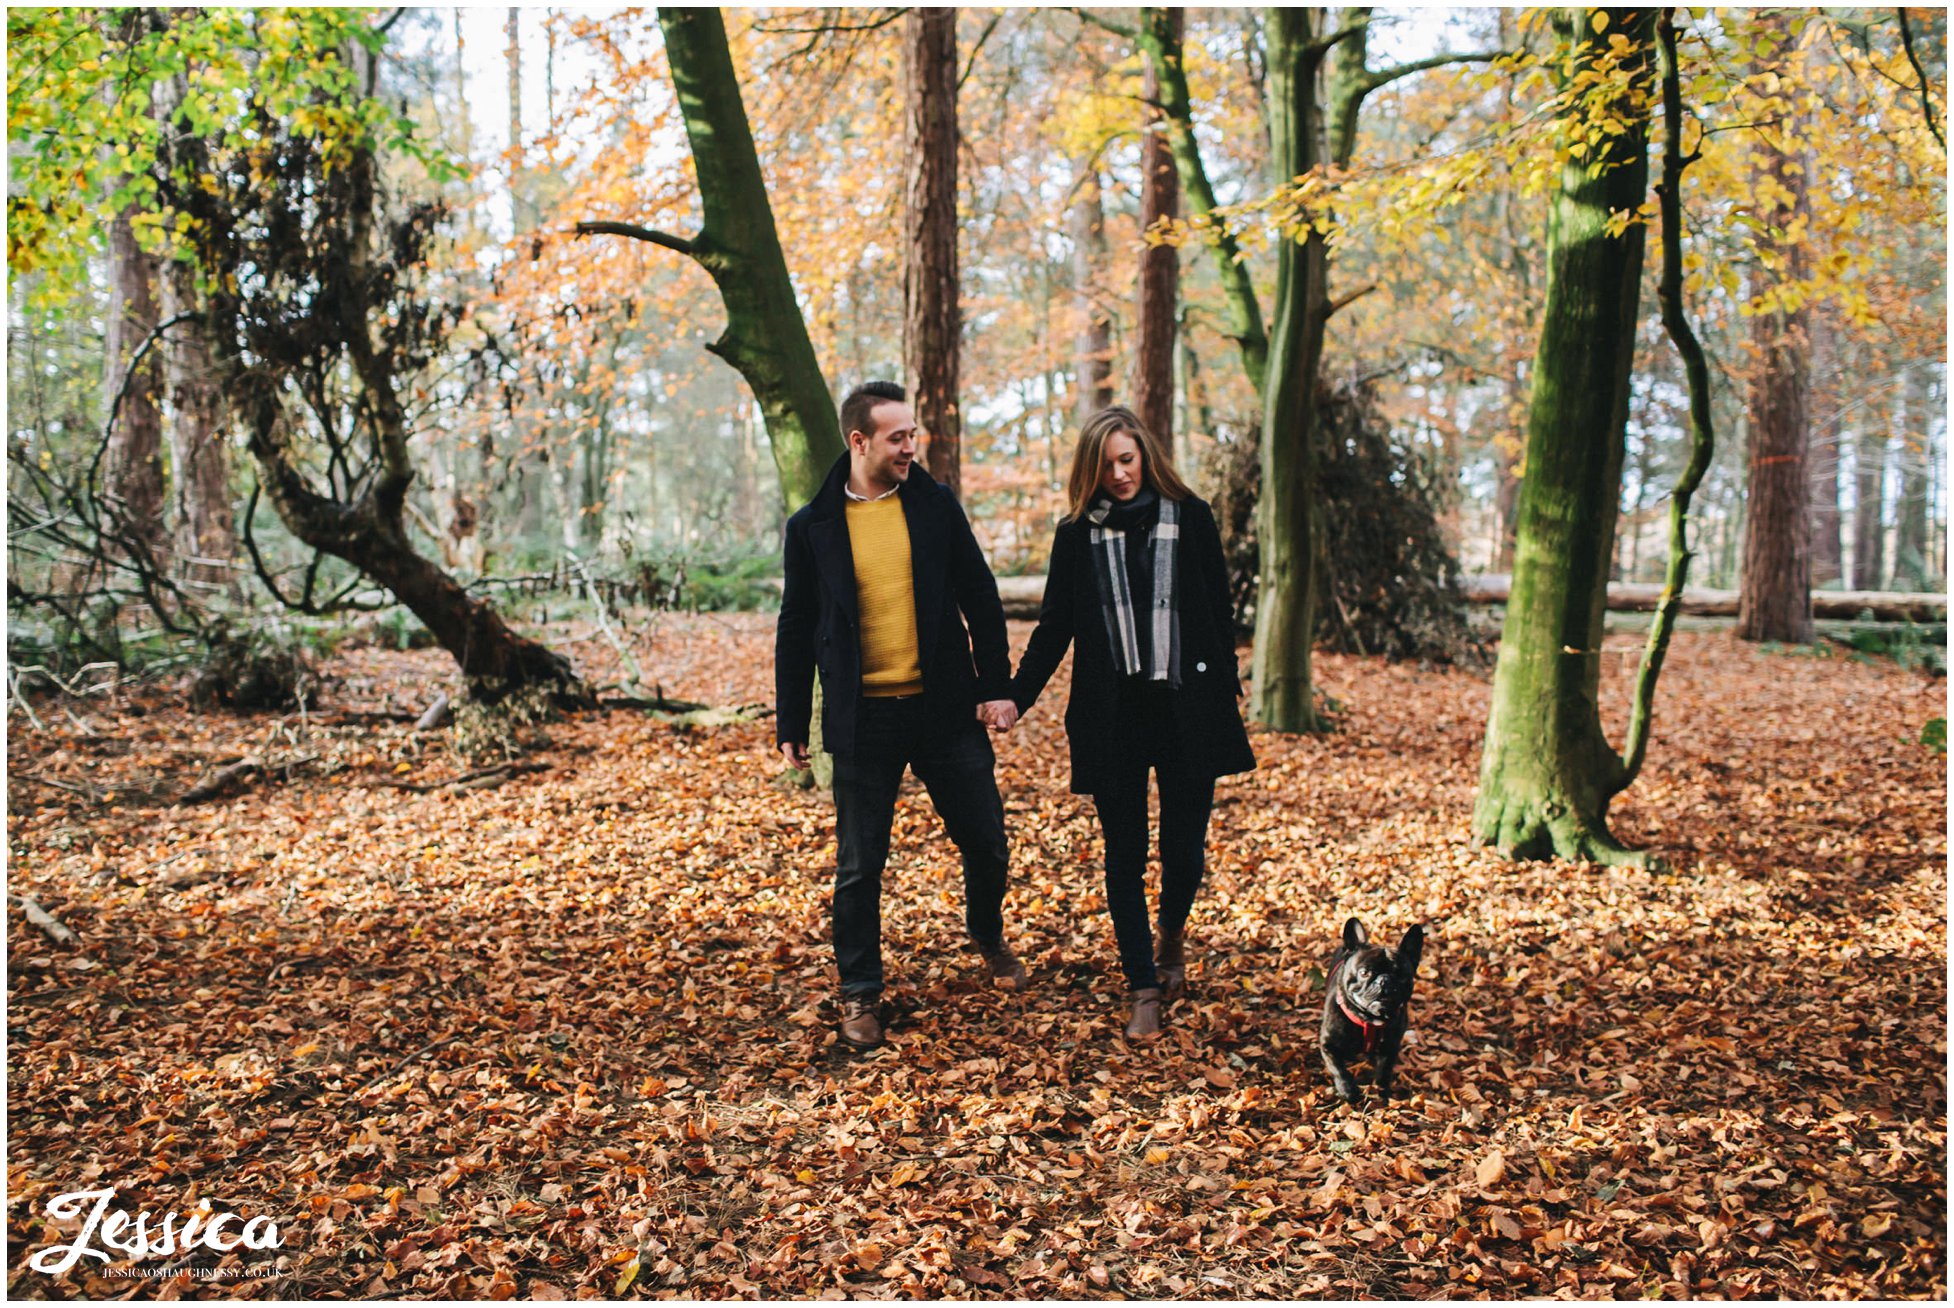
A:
x: 738, y: 244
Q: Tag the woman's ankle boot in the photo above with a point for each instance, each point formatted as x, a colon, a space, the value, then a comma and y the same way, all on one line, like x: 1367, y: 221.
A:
x: 1145, y: 1022
x: 1170, y: 964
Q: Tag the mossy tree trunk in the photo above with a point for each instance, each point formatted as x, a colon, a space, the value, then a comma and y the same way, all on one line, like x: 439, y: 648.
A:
x: 1288, y: 509
x: 738, y: 244
x: 1159, y: 38
x: 1548, y: 772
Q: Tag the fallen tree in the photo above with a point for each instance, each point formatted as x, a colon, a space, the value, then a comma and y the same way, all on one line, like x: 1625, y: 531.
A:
x: 1642, y: 597
x: 1022, y: 596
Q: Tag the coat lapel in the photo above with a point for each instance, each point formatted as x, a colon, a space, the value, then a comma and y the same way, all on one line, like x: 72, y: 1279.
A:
x: 836, y: 561
x: 926, y: 558
x: 827, y: 534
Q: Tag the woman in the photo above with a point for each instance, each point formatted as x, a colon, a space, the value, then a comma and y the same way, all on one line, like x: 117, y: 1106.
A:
x: 1138, y: 584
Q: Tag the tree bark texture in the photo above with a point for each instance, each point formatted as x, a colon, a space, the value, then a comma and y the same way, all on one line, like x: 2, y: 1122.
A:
x: 1162, y: 46
x: 1828, y: 550
x: 1869, y: 503
x: 200, y: 459
x: 1547, y: 771
x: 1092, y: 349
x: 1777, y: 575
x: 1911, y: 568
x: 521, y: 210
x: 133, y: 463
x: 1288, y: 514
x: 1506, y: 507
x: 1160, y: 267
x: 932, y: 319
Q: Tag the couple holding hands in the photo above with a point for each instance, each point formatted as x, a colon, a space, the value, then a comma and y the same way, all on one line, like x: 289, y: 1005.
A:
x: 888, y: 596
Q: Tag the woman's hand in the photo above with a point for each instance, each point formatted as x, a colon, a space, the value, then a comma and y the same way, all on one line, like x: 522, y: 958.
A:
x: 1000, y: 715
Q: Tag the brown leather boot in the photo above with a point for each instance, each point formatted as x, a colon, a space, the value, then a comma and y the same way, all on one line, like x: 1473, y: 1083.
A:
x: 861, y: 1024
x: 1170, y: 964
x: 1145, y: 1022
x: 1007, y: 972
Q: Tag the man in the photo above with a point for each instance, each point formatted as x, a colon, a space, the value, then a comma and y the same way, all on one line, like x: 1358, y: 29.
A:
x: 882, y: 574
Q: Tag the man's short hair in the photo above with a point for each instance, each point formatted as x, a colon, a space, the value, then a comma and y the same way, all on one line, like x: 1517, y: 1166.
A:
x: 861, y: 402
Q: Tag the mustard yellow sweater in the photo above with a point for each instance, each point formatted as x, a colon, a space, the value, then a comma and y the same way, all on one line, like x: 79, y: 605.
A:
x: 885, y: 590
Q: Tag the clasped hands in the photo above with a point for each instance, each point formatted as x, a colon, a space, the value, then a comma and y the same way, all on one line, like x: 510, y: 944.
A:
x: 1000, y: 715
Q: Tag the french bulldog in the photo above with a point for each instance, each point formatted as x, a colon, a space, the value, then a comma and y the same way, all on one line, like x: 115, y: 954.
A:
x: 1367, y: 1005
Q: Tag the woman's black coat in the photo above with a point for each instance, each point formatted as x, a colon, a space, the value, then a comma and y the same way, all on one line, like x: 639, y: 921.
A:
x: 1211, y: 732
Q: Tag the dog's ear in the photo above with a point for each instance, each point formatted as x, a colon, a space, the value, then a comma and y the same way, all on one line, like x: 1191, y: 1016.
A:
x: 1354, y: 935
x: 1410, y: 949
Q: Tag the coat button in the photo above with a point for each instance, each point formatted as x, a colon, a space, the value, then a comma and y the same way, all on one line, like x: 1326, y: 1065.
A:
x: 1200, y: 667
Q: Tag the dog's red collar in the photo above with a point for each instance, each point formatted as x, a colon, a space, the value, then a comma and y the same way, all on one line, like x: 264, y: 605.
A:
x: 1369, y: 1028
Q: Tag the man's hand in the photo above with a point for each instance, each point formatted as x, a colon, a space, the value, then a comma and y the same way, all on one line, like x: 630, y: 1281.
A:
x: 796, y: 753
x: 1000, y: 715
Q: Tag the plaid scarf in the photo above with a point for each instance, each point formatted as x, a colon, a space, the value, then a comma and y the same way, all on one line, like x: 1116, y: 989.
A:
x: 1163, y: 656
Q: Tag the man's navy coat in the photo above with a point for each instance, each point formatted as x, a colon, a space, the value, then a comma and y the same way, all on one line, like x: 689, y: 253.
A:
x: 820, y: 627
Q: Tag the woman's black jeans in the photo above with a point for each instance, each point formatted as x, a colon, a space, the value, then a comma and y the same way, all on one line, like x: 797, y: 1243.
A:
x: 1149, y: 742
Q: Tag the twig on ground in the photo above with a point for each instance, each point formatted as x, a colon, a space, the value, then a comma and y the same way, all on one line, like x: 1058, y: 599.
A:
x: 85, y: 791
x: 401, y: 1066
x: 499, y: 772
x: 661, y: 704
x: 13, y: 685
x: 437, y: 714
x: 56, y: 930
x: 244, y: 767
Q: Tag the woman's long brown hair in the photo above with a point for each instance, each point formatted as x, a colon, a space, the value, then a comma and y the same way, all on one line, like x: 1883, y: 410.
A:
x: 1089, y: 459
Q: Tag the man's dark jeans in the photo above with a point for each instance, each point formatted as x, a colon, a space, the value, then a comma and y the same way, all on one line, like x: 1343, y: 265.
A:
x: 957, y: 765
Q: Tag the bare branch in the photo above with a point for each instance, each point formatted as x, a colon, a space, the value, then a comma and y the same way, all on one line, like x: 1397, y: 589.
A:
x: 637, y: 233
x: 985, y: 35
x: 1103, y: 24
x: 822, y: 28
x: 1319, y: 48
x: 1385, y: 76
x: 1340, y: 302
x: 1926, y: 91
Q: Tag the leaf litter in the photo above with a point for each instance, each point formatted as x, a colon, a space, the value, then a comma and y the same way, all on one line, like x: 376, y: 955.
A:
x: 571, y: 1034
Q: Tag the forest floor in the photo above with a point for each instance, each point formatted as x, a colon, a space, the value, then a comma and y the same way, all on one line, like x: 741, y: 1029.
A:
x: 570, y: 1031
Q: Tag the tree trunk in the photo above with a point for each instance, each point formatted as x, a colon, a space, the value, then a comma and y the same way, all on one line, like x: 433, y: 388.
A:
x: 1547, y: 771
x: 1093, y: 347
x: 1702, y: 429
x: 1506, y: 508
x: 521, y: 212
x: 198, y: 431
x: 1162, y: 47
x: 1869, y: 503
x: 1828, y: 554
x: 1153, y: 360
x: 1910, y: 566
x: 206, y: 530
x: 738, y: 244
x: 1777, y: 578
x: 1287, y: 509
x: 134, y: 461
x: 932, y: 320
